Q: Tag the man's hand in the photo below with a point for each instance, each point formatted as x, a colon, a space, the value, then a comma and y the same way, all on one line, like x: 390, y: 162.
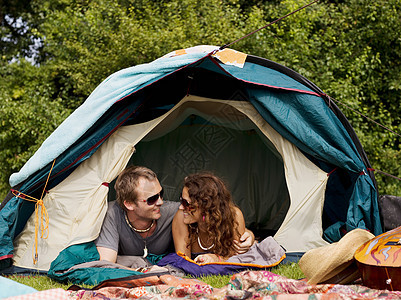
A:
x: 245, y: 242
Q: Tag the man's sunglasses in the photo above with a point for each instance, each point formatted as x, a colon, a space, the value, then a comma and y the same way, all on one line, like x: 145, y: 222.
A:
x: 185, y: 203
x: 153, y: 199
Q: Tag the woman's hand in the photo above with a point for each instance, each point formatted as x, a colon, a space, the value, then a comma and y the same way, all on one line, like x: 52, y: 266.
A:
x: 207, y: 258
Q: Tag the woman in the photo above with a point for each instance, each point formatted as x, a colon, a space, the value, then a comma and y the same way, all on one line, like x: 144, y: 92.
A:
x: 207, y: 223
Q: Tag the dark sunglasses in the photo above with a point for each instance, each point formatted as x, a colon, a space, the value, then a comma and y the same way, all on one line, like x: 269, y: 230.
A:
x: 153, y: 199
x: 185, y: 203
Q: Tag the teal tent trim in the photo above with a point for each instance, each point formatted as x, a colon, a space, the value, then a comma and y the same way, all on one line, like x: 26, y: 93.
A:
x: 307, y: 122
x: 257, y: 74
x: 9, y: 214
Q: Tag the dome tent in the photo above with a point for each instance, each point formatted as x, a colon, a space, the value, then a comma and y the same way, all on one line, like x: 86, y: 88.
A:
x: 291, y: 159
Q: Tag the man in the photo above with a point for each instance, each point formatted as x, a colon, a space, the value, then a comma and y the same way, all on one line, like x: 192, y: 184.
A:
x: 139, y: 223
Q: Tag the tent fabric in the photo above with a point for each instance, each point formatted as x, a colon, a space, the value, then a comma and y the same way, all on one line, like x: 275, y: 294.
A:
x: 257, y: 74
x: 290, y: 114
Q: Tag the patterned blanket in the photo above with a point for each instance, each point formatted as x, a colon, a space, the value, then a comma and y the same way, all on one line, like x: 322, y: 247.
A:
x: 245, y: 285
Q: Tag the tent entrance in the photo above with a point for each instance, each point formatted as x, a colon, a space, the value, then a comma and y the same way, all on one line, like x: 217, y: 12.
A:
x: 278, y: 189
x: 217, y: 137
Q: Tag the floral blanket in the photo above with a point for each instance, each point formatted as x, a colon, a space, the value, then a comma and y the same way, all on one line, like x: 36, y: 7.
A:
x: 245, y: 285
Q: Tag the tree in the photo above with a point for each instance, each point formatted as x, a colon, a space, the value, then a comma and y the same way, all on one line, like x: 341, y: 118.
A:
x: 29, y: 113
x: 14, y: 41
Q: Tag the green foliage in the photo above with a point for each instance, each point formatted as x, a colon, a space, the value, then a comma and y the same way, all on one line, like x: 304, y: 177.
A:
x: 15, y: 32
x: 29, y: 114
x: 350, y: 49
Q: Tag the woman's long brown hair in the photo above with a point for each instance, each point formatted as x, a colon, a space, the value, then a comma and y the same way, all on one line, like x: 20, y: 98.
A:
x: 210, y: 195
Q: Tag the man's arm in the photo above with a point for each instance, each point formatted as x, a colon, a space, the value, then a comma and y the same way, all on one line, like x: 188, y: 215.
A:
x: 245, y: 242
x: 107, y: 254
x: 111, y: 256
x: 247, y: 238
x: 109, y: 236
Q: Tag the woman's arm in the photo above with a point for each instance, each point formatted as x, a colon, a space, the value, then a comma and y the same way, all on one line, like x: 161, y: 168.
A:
x: 239, y: 217
x: 181, y: 234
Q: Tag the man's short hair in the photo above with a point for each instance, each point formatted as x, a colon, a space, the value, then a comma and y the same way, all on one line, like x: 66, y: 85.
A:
x: 127, y: 182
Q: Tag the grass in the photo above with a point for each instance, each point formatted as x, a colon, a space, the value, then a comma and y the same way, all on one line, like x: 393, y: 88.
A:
x: 290, y: 270
x: 40, y: 282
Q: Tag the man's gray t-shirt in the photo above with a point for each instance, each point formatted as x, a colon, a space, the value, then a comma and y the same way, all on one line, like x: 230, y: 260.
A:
x: 117, y: 235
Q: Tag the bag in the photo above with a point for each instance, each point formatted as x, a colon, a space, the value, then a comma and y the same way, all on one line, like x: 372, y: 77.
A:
x: 390, y: 211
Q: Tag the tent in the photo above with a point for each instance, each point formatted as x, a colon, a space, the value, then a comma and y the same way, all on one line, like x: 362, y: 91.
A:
x: 290, y: 157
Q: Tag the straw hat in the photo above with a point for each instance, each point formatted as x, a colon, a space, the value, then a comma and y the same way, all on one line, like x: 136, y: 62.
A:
x: 334, y: 263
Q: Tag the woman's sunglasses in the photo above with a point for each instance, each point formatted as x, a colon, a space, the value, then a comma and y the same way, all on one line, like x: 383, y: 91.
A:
x: 153, y: 199
x: 185, y: 203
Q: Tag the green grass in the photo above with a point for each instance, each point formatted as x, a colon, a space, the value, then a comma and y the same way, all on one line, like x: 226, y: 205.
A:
x: 290, y: 270
x: 40, y: 282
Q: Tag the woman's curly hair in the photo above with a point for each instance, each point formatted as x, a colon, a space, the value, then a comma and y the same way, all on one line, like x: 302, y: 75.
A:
x: 210, y: 195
